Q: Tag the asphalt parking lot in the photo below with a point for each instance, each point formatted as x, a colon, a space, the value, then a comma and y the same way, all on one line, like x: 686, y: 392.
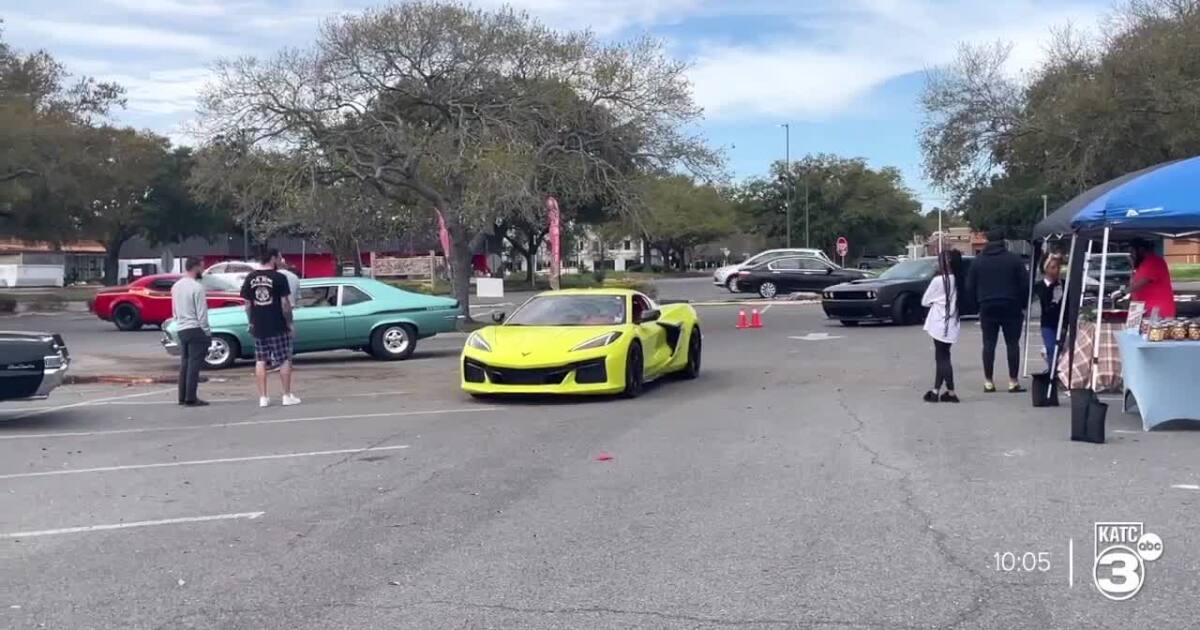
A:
x: 799, y: 483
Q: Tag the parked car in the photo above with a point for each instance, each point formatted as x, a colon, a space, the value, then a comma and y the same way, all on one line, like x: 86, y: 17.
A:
x: 894, y: 296
x: 32, y: 364
x: 794, y: 274
x: 1119, y: 273
x: 234, y: 270
x: 727, y: 276
x: 336, y: 314
x: 147, y: 301
x: 876, y: 262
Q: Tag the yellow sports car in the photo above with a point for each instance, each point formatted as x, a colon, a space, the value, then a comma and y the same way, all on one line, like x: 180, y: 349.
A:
x: 586, y: 341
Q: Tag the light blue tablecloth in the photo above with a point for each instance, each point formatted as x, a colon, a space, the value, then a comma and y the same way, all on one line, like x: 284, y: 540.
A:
x: 1164, y: 377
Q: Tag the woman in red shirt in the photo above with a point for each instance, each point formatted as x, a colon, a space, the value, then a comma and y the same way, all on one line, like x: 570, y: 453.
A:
x: 1151, y: 281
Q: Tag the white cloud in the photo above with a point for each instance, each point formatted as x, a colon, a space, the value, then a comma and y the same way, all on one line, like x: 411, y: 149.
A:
x: 162, y: 91
x: 841, y: 53
x: 125, y: 36
x: 191, y: 8
x: 603, y: 16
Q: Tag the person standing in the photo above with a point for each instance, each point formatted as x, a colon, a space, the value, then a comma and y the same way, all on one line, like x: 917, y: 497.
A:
x: 269, y: 311
x: 997, y: 282
x: 189, y: 309
x: 1050, y: 296
x: 293, y: 280
x: 942, y: 298
x: 1151, y: 281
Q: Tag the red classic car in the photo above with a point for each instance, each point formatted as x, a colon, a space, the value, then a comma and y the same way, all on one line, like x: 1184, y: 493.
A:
x: 148, y: 300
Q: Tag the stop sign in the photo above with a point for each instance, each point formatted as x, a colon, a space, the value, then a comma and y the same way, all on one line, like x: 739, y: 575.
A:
x: 843, y: 246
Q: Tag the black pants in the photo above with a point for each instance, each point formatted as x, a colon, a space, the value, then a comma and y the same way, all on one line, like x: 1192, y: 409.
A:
x: 943, y: 373
x: 1012, y: 343
x: 193, y: 346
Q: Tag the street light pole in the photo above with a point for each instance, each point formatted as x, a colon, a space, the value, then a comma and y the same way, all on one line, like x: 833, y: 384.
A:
x: 787, y: 169
x: 1044, y: 206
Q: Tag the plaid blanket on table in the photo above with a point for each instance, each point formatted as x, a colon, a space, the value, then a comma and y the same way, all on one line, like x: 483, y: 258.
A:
x: 1108, y: 379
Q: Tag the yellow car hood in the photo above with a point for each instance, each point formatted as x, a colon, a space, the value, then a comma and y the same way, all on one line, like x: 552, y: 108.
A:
x: 539, y: 344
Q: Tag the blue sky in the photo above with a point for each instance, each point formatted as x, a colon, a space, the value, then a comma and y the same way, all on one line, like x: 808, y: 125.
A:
x: 844, y: 73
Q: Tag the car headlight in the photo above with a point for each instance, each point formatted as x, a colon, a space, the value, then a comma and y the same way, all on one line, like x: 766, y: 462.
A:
x: 598, y: 342
x: 870, y: 295
x: 478, y: 342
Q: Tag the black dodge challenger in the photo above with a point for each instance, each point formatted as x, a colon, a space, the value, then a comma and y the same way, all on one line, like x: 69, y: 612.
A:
x: 894, y: 296
x: 32, y: 364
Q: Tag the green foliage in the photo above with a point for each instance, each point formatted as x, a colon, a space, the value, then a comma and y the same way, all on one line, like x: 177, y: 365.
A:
x: 1096, y: 109
x: 845, y: 197
x: 680, y: 214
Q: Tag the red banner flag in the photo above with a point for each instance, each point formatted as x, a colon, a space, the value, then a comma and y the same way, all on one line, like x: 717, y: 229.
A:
x: 443, y: 235
x: 555, y: 218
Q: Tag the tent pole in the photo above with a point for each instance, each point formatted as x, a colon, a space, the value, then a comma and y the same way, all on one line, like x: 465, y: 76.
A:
x: 1087, y: 261
x: 1062, y: 315
x: 1100, y: 308
x: 1033, y: 269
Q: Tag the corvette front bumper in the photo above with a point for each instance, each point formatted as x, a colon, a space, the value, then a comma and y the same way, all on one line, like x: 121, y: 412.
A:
x: 595, y: 375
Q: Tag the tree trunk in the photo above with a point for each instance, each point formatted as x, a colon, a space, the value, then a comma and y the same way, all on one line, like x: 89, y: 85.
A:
x: 112, y: 256
x: 647, y: 254
x: 530, y: 261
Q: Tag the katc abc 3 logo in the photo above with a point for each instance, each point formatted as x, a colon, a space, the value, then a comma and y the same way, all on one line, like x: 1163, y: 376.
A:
x: 1122, y: 551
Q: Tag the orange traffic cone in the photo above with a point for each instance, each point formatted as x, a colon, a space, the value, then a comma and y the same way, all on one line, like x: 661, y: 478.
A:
x: 755, y: 319
x: 742, y: 323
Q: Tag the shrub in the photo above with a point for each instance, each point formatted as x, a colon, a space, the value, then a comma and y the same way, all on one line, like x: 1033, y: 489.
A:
x: 598, y: 276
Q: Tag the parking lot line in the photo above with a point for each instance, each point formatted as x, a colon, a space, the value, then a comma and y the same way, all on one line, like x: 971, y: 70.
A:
x: 165, y: 521
x: 222, y: 425
x: 85, y: 403
x: 1186, y: 486
x: 202, y: 462
x: 151, y: 403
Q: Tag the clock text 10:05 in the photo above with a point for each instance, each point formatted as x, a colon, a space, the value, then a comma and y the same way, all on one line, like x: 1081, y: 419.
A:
x: 1027, y: 562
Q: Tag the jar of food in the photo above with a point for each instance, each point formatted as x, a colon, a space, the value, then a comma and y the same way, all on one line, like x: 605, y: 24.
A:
x: 1158, y: 332
x: 1194, y: 330
x: 1144, y: 327
x: 1179, y: 330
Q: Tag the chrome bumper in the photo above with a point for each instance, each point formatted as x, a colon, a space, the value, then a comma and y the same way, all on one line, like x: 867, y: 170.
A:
x: 52, y: 377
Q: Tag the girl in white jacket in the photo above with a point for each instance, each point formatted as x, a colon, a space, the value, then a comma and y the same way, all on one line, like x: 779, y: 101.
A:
x: 942, y: 298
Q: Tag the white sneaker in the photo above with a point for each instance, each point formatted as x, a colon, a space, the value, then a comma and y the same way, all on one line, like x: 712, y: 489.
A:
x: 263, y: 401
x: 290, y: 399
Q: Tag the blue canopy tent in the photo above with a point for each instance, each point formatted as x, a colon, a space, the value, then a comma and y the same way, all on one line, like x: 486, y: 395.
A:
x: 1159, y: 201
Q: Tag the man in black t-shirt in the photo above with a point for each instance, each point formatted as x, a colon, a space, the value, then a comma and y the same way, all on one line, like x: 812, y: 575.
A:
x: 269, y: 311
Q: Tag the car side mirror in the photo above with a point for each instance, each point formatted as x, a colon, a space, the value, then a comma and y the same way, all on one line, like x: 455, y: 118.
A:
x: 649, y: 315
x: 498, y: 316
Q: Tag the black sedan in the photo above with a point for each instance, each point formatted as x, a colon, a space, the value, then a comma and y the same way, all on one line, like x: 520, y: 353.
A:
x: 32, y: 364
x: 895, y: 296
x: 794, y: 274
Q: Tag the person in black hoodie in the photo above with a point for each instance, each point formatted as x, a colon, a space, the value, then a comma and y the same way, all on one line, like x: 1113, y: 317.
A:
x: 997, y: 282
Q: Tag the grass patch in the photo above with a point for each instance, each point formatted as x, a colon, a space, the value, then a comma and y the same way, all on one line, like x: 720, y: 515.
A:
x: 1185, y: 273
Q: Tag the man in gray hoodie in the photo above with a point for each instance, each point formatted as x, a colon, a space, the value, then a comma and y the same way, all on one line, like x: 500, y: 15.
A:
x: 189, y: 309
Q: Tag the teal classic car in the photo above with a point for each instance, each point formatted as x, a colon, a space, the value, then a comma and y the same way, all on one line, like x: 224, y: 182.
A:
x: 335, y: 314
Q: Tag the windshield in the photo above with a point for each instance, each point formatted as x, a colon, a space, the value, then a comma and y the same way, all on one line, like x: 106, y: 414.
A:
x: 221, y: 283
x: 910, y: 270
x: 571, y: 310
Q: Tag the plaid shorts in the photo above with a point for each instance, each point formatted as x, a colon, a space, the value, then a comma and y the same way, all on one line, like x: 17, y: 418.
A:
x: 275, y: 350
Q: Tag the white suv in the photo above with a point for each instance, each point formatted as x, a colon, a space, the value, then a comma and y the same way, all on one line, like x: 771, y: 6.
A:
x: 727, y: 276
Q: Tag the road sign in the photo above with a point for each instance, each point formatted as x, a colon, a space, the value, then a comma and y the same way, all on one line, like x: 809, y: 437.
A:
x: 843, y: 246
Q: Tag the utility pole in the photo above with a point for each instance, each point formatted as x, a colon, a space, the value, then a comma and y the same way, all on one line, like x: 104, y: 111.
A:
x: 1045, y: 208
x: 806, y: 243
x: 787, y: 169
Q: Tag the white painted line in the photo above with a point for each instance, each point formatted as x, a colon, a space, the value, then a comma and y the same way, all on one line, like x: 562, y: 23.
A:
x: 1126, y: 431
x: 1186, y: 486
x: 104, y: 528
x: 200, y: 462
x: 222, y: 425
x: 768, y: 307
x: 85, y: 403
x: 1070, y: 563
x: 149, y: 403
x: 817, y: 337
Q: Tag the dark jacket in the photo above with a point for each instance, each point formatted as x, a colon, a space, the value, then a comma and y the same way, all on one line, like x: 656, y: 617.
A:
x: 997, y: 280
x: 1050, y: 297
